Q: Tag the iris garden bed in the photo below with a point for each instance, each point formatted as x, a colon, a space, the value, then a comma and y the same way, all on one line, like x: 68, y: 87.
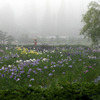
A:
x: 22, y: 67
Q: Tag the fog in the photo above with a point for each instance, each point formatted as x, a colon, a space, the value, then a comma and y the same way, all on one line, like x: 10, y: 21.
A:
x: 42, y: 17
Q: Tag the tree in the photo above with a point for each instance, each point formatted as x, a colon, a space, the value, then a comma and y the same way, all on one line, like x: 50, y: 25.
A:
x: 91, y: 19
x: 10, y: 39
x: 3, y: 37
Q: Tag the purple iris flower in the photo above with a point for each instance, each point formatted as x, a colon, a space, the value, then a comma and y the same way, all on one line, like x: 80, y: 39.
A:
x: 38, y: 60
x: 30, y: 85
x: 52, y: 63
x: 12, y: 73
x: 68, y: 54
x: 90, y: 66
x: 2, y: 75
x: 63, y: 73
x: 22, y: 72
x: 28, y: 75
x: 32, y: 79
x: 60, y: 62
x: 34, y: 64
x: 70, y: 66
x: 10, y: 76
x: 30, y: 70
x: 39, y: 69
x: 18, y: 79
x: 15, y: 78
x: 86, y: 71
x: 53, y: 70
x: 45, y: 67
x: 34, y: 72
x: 50, y: 74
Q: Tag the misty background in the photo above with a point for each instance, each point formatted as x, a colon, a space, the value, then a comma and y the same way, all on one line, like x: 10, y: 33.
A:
x: 28, y: 19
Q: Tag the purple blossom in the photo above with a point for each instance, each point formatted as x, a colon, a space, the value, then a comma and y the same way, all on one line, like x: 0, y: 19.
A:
x: 45, y: 67
x: 7, y: 57
x: 90, y: 67
x: 53, y: 70
x: 68, y: 54
x: 22, y: 72
x: 60, y: 62
x: 18, y: 79
x: 10, y: 76
x: 63, y: 73
x: 12, y: 73
x: 47, y: 60
x: 70, y: 59
x: 15, y: 78
x: 70, y: 66
x: 6, y: 69
x: 52, y: 63
x: 25, y: 64
x: 28, y: 75
x: 34, y: 64
x: 19, y: 76
x: 39, y: 69
x: 30, y: 70
x: 38, y: 60
x: 86, y: 71
x: 64, y: 60
x: 32, y: 79
x: 2, y: 75
x: 50, y: 74
x: 34, y: 72
x: 30, y: 85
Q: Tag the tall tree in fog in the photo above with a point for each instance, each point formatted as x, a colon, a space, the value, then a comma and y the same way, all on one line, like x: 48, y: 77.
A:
x: 91, y: 19
x: 5, y: 38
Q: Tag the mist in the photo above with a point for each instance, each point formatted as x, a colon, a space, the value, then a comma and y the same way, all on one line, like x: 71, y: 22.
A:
x: 42, y: 17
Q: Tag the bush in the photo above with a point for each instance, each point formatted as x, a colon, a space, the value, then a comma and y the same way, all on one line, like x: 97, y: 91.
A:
x: 75, y: 91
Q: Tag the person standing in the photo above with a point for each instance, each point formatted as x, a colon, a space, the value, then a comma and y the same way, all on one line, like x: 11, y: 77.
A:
x: 35, y: 42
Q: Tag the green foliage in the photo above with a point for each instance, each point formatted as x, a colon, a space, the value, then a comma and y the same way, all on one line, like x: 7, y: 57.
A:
x: 91, y: 19
x: 5, y: 39
x: 75, y: 91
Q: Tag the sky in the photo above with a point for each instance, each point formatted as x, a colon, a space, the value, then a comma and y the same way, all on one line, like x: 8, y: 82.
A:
x: 19, y: 5
x: 42, y: 17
